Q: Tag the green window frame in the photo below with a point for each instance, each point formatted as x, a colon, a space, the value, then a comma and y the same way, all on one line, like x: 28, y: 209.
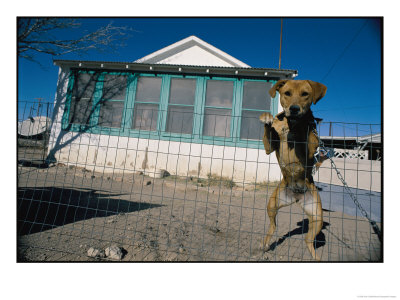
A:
x: 147, y: 105
x: 167, y: 105
x: 71, y: 102
x: 251, y: 110
x: 93, y: 124
x: 113, y: 95
x: 163, y: 105
x: 228, y: 111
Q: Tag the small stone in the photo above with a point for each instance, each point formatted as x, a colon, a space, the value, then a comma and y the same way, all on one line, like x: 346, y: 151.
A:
x: 148, y: 182
x: 164, y: 173
x: 214, y: 229
x: 111, y: 220
x: 114, y: 252
x: 96, y: 253
x: 153, y: 244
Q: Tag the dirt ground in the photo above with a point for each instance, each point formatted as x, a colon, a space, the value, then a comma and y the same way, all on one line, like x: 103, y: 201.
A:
x: 62, y: 211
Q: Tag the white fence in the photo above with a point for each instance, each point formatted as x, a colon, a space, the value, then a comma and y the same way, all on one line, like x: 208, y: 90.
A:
x: 350, y: 154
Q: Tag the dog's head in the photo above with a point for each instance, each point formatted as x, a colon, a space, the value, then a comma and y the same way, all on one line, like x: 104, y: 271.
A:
x: 298, y: 95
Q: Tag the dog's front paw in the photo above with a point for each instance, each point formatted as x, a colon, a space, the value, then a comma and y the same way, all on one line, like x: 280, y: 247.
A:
x: 266, y: 118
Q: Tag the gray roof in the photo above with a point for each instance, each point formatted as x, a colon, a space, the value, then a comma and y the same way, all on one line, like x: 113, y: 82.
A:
x: 184, y: 69
x: 369, y: 138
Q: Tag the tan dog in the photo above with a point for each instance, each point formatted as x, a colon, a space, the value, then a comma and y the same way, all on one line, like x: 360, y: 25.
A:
x: 290, y: 135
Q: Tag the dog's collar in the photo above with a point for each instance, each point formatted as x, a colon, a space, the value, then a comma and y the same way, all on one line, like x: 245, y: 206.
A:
x: 307, y: 119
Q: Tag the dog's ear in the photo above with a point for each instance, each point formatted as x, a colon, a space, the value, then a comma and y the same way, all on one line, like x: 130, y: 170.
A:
x: 319, y: 90
x: 276, y: 87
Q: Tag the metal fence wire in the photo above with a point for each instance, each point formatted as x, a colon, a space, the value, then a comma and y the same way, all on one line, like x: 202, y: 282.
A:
x: 99, y: 192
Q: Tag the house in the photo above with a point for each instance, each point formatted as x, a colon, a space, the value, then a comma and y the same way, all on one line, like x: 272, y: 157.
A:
x: 189, y: 108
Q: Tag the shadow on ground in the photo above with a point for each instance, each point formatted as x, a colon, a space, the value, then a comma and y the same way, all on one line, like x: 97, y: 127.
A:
x: 302, y: 229
x: 43, y: 208
x: 40, y: 164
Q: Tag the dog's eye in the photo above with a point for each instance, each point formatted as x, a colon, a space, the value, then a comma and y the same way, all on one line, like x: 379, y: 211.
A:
x: 287, y: 93
x: 304, y: 94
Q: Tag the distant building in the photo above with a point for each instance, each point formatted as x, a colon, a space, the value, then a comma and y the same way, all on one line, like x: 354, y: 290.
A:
x: 367, y: 147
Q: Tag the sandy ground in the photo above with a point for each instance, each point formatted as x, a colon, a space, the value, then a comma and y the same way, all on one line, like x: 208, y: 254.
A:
x: 63, y: 211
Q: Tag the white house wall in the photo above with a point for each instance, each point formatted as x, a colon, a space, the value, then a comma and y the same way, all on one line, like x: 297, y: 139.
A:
x: 113, y: 154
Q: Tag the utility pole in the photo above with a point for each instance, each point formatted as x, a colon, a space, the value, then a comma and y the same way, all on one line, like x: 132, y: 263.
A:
x: 39, y: 105
x: 280, y: 46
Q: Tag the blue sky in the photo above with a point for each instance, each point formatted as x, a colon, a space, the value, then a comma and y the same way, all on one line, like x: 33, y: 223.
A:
x: 342, y: 53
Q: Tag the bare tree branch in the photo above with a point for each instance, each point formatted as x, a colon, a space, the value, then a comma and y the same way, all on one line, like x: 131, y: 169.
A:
x: 39, y: 35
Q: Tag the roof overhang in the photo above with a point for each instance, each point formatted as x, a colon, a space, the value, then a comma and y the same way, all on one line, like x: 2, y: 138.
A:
x: 178, y: 69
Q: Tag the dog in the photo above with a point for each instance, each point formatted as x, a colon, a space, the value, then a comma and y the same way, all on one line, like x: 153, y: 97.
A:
x: 292, y: 135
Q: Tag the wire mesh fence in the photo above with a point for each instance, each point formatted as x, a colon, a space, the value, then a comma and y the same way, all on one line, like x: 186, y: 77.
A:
x: 90, y: 192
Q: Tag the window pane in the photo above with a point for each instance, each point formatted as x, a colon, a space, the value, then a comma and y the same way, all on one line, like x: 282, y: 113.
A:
x: 145, y: 116
x: 217, y: 122
x: 219, y: 93
x: 80, y: 111
x: 251, y: 128
x: 84, y: 85
x: 182, y: 91
x: 111, y: 114
x: 256, y: 96
x: 114, y: 87
x: 148, y: 89
x: 180, y: 119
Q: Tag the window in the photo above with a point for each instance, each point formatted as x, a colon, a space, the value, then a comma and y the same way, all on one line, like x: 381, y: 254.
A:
x: 147, y: 101
x: 112, y: 101
x: 81, y: 107
x: 256, y: 100
x: 172, y: 107
x: 181, y: 105
x: 218, y: 108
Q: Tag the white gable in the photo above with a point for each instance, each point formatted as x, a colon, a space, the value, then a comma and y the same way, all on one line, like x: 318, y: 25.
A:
x: 192, y: 51
x: 195, y: 56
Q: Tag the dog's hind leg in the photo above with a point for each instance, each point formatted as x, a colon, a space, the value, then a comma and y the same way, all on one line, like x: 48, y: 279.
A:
x: 313, y: 208
x: 274, y: 204
x: 272, y: 210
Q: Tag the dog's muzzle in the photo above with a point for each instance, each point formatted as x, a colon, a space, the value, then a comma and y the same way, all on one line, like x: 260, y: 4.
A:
x: 294, y: 110
x: 297, y: 189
